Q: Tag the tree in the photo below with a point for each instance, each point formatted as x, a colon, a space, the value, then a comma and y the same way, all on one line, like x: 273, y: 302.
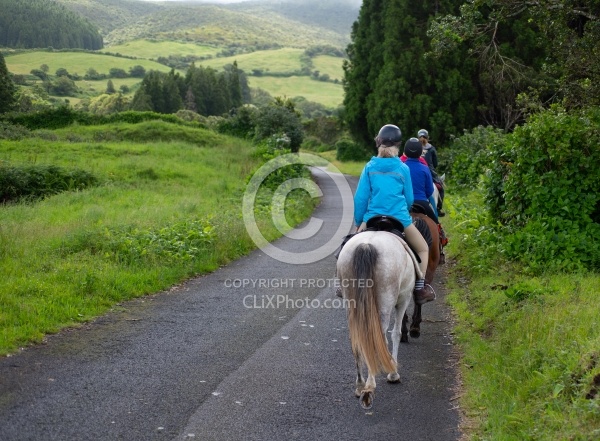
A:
x: 388, y: 80
x: 280, y: 118
x: 62, y: 86
x: 110, y: 88
x: 547, y: 49
x: 8, y: 90
x: 137, y: 71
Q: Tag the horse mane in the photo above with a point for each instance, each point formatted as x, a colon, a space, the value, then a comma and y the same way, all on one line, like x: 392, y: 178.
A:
x: 364, y: 324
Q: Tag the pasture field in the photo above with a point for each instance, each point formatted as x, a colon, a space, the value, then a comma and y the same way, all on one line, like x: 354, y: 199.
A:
x: 329, y: 65
x: 168, y: 208
x: 75, y: 62
x: 286, y: 60
x: 150, y: 49
x: 326, y: 93
x: 96, y: 87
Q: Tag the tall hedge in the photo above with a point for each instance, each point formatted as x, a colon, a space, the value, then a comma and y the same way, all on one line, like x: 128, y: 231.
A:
x: 543, y: 187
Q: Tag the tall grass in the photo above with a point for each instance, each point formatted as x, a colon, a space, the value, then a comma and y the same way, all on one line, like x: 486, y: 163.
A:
x: 165, y: 211
x: 531, y: 345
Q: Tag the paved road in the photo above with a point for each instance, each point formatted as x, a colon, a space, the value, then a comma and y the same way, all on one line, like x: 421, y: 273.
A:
x: 211, y: 360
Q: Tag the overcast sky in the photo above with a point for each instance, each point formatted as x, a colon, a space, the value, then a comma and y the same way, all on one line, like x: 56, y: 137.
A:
x: 352, y: 2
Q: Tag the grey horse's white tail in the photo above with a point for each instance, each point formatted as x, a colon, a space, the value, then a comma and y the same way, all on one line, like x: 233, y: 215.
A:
x: 367, y: 337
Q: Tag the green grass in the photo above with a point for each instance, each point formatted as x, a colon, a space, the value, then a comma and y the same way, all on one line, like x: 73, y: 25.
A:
x: 75, y: 62
x: 165, y: 210
x: 286, y: 60
x: 154, y: 49
x: 352, y: 168
x: 329, y: 94
x: 329, y: 65
x: 531, y: 346
x: 96, y: 87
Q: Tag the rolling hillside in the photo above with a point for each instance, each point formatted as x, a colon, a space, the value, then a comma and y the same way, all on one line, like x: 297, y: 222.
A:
x: 292, y: 23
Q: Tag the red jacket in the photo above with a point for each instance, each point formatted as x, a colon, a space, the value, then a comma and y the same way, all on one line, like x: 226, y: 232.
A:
x: 403, y: 158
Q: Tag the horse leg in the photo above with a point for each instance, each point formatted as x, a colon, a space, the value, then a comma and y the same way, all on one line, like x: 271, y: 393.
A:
x: 360, y: 381
x: 399, y: 326
x: 415, y: 326
x: 404, y: 337
x: 368, y: 393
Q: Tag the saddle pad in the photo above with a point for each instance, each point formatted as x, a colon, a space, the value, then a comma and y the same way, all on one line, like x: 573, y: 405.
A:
x: 424, y: 230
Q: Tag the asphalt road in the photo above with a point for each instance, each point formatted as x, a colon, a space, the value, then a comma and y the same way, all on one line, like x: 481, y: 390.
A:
x: 213, y: 359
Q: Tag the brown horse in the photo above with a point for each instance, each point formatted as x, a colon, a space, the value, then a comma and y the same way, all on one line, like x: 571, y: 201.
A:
x: 435, y: 252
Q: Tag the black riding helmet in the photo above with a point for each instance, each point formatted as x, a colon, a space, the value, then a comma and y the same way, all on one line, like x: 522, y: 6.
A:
x: 413, y: 148
x: 389, y: 135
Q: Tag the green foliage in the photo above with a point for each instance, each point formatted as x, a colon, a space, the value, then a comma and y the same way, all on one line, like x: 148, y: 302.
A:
x: 21, y: 21
x: 388, y: 80
x: 281, y: 121
x: 13, y: 131
x: 241, y: 124
x: 38, y: 181
x: 8, y: 89
x: 542, y: 188
x: 469, y: 156
x: 348, y: 150
x: 180, y: 241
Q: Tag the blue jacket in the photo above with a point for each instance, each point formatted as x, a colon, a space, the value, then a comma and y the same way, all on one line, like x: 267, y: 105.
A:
x: 422, y: 181
x: 384, y: 188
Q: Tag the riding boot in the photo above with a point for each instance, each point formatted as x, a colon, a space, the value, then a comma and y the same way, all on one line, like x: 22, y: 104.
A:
x: 443, y: 238
x: 424, y: 295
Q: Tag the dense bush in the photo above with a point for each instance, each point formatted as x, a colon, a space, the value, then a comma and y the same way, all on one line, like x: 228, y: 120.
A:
x: 468, y: 157
x: 542, y: 187
x: 56, y: 118
x: 38, y: 181
x: 280, y: 119
x: 347, y: 150
x: 12, y: 131
x: 241, y: 124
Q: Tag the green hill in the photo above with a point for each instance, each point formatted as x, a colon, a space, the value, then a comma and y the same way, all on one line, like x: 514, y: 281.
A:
x: 217, y: 25
x: 255, y: 24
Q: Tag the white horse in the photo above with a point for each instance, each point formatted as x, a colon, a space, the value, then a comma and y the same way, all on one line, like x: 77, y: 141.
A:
x: 377, y: 274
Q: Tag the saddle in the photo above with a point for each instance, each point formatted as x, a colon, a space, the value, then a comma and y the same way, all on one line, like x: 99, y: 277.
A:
x: 391, y: 225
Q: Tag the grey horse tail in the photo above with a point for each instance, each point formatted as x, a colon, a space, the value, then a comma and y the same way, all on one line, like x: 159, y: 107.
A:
x: 364, y: 323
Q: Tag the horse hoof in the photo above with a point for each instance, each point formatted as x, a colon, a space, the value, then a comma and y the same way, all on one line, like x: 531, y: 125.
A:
x: 415, y: 333
x: 366, y: 400
x: 393, y: 378
x: 404, y: 338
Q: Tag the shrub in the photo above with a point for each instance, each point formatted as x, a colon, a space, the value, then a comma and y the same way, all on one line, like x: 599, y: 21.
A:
x: 38, y: 181
x: 13, y: 131
x: 468, y: 156
x: 347, y: 150
x: 542, y: 188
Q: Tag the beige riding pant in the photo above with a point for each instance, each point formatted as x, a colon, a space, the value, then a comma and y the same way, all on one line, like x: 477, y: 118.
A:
x: 415, y: 241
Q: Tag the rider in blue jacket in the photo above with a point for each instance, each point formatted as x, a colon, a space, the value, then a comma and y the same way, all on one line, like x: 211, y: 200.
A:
x: 385, y: 188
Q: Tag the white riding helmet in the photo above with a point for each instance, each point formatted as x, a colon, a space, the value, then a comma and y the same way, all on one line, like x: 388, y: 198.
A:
x: 424, y: 133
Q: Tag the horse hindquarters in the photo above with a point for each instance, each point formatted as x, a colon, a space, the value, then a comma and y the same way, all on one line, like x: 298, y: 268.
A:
x: 364, y: 323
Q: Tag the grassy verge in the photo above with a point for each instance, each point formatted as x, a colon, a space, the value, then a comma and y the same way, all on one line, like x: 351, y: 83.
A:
x: 352, y: 168
x: 164, y: 211
x: 531, y: 346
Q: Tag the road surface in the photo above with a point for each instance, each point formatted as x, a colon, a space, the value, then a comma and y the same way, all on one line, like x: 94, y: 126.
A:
x: 257, y: 350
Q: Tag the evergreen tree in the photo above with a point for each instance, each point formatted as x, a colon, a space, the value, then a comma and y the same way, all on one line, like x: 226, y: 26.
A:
x: 388, y: 79
x: 8, y: 90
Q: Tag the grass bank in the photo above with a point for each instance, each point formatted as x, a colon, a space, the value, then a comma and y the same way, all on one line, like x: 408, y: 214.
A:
x: 530, y: 344
x: 166, y: 209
